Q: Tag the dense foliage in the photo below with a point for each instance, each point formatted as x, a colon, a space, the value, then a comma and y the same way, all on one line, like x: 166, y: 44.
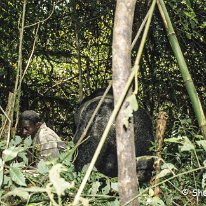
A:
x: 72, y: 58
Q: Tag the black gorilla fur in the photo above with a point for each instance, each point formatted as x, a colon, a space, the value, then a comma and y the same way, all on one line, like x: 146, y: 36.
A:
x: 107, y: 161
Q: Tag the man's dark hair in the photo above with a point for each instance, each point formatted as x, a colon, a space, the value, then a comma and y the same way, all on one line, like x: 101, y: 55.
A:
x: 30, y: 115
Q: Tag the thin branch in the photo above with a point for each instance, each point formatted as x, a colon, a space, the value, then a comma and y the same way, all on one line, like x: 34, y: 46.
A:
x: 140, y: 30
x: 9, y: 135
x: 42, y: 21
x: 32, y: 52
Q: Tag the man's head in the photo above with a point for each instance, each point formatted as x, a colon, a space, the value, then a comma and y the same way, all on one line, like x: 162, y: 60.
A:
x: 29, y: 122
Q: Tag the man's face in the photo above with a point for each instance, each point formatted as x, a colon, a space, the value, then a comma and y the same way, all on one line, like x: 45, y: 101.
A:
x: 28, y: 128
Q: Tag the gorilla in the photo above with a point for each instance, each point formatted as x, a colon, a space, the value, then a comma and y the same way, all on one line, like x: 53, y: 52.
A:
x: 107, y: 160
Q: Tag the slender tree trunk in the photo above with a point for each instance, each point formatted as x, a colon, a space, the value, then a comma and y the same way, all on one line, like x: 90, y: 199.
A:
x: 121, y: 53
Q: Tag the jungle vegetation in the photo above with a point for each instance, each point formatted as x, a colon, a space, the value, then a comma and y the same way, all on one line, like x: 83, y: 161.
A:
x: 63, y: 54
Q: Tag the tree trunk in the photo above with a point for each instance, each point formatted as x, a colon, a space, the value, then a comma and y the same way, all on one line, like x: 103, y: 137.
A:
x: 121, y: 53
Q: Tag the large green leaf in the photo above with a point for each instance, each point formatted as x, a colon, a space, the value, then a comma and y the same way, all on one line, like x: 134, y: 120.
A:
x: 155, y: 201
x: 17, y: 175
x: 163, y: 173
x: 133, y: 102
x: 20, y: 192
x: 15, y: 141
x: 95, y: 188
x: 202, y: 143
x: 187, y: 145
x: 42, y: 168
x: 28, y: 141
x: 59, y: 183
x: 9, y: 154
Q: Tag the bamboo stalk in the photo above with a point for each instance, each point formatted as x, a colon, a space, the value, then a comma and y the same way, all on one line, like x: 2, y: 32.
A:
x: 183, y: 68
x: 116, y: 108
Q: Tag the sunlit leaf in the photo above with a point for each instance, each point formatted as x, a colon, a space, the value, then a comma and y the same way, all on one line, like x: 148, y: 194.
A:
x: 187, y: 148
x: 95, y: 188
x: 7, y: 181
x: 106, y: 189
x: 17, y: 175
x: 187, y: 145
x: 9, y: 154
x: 156, y: 201
x: 173, y: 140
x: 24, y: 157
x: 202, y: 143
x: 133, y: 102
x: 18, y: 192
x: 16, y: 141
x: 114, y: 203
x: 84, y: 201
x: 42, y: 168
x: 28, y: 141
x: 163, y: 173
x: 58, y: 182
x: 151, y: 192
x: 168, y: 166
x: 114, y: 186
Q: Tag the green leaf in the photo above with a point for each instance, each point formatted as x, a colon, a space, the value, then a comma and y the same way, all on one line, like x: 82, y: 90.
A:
x: 173, y: 140
x: 202, y: 143
x: 156, y: 201
x: 133, y: 102
x: 95, y: 188
x: 59, y: 183
x: 187, y: 145
x: 7, y: 181
x: 17, y: 175
x: 106, y: 189
x: 187, y: 148
x: 168, y: 166
x: 17, y: 140
x: 114, y: 186
x: 28, y: 141
x: 151, y: 192
x: 9, y: 154
x: 163, y: 173
x: 84, y: 201
x: 203, y: 25
x: 42, y: 168
x: 114, y: 203
x: 20, y: 192
x: 204, y: 181
x: 24, y: 157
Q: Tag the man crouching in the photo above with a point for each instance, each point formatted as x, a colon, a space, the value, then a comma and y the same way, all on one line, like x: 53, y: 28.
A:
x: 46, y: 143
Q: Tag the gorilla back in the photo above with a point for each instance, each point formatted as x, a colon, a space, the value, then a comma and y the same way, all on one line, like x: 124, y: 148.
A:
x: 107, y: 160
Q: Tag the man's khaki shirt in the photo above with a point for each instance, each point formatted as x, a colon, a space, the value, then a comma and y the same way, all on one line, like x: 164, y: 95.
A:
x: 47, y: 143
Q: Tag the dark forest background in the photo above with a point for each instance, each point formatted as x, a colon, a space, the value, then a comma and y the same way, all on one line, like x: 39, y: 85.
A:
x: 72, y: 57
